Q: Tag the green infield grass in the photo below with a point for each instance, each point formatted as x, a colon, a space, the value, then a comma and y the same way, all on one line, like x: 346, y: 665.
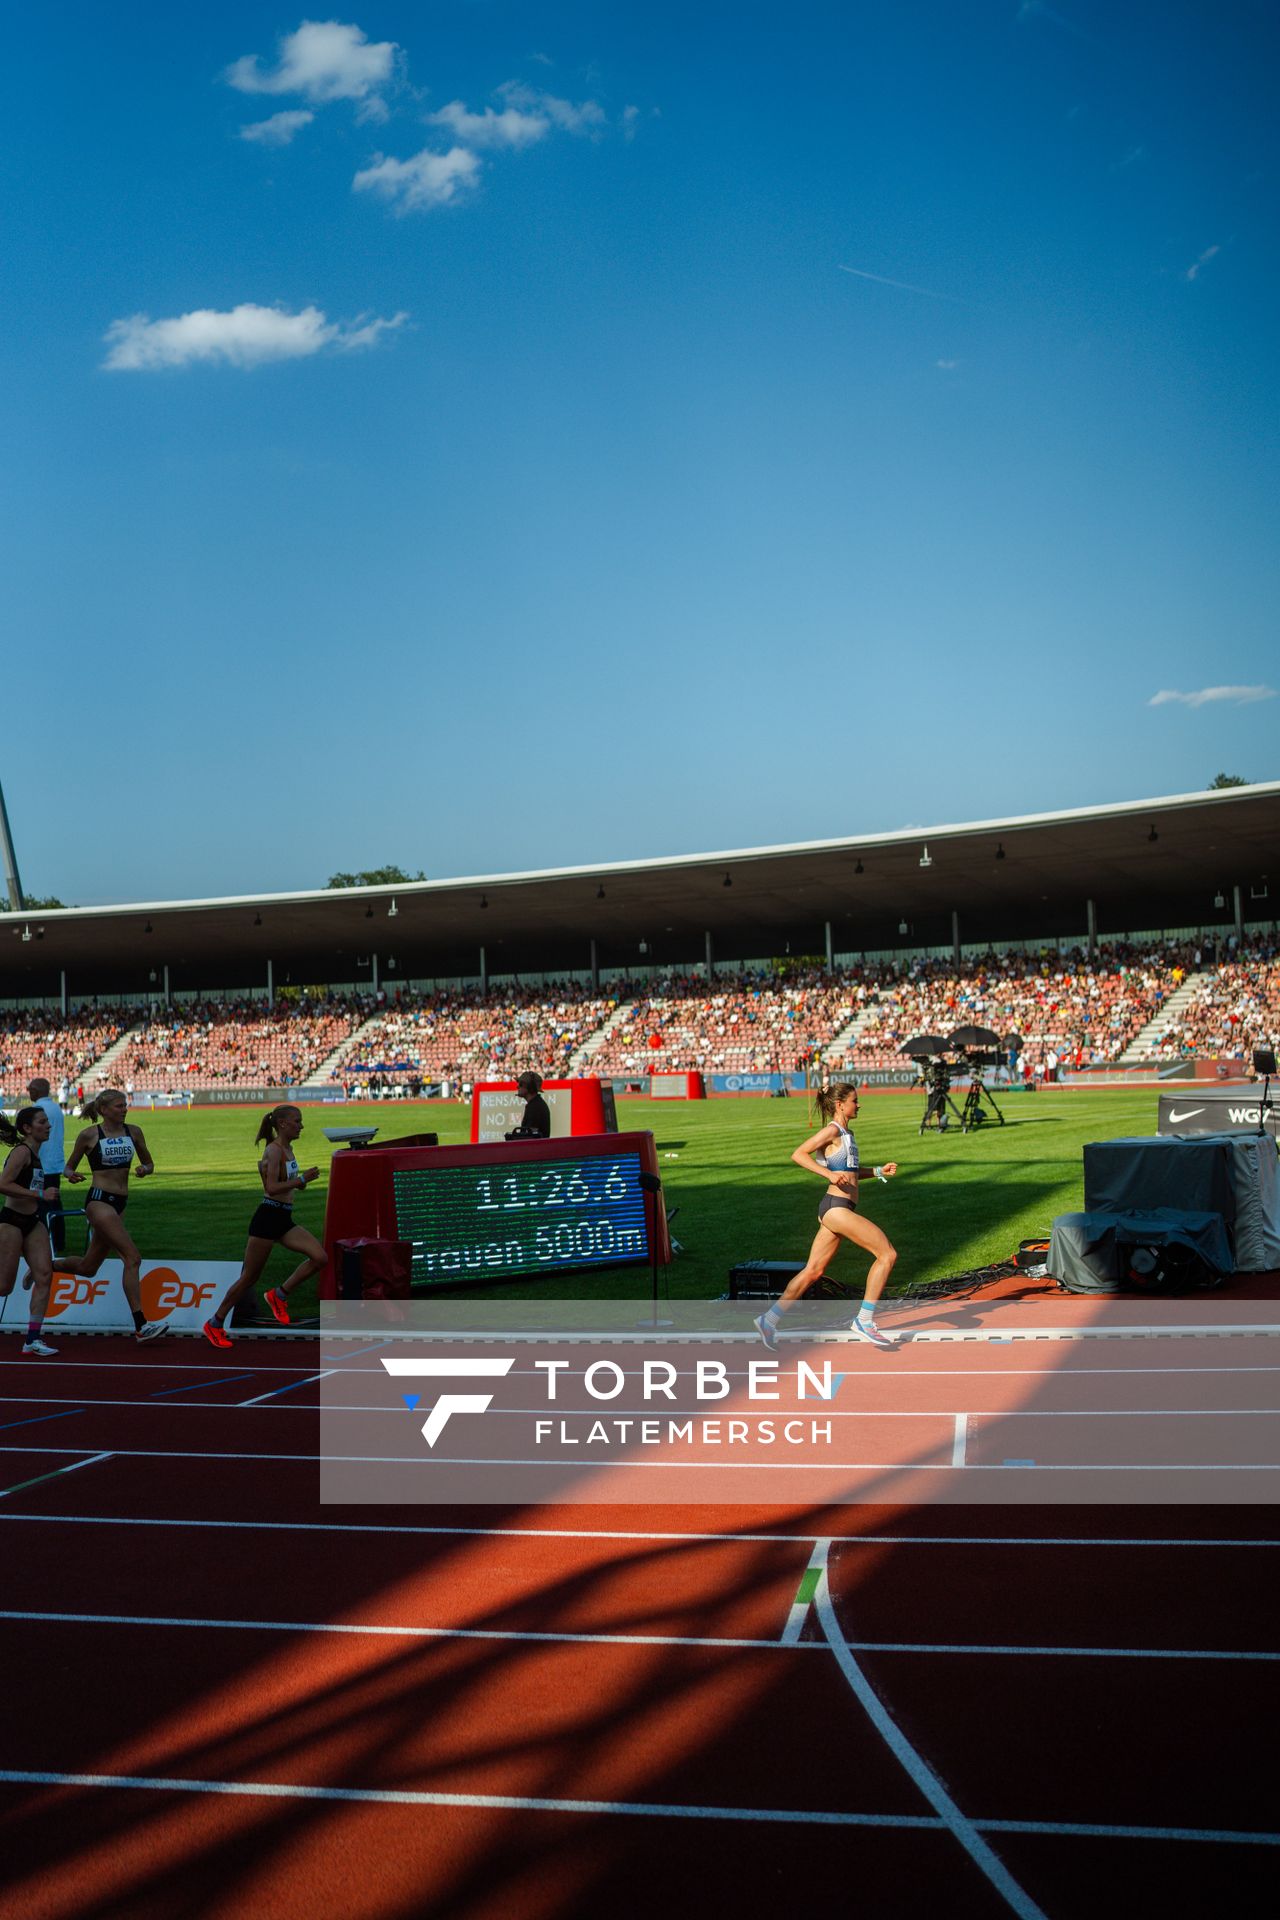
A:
x: 958, y: 1201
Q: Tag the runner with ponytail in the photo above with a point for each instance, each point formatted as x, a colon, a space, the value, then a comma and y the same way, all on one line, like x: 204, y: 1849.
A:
x: 832, y: 1153
x: 114, y: 1150
x: 24, y: 1186
x: 273, y: 1224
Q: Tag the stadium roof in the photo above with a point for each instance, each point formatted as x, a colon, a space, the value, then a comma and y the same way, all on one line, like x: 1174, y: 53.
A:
x: 1145, y: 864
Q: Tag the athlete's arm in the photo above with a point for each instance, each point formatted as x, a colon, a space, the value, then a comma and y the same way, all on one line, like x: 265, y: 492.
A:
x: 78, y: 1152
x: 274, y: 1182
x: 806, y: 1156
x: 11, y: 1183
x: 146, y: 1164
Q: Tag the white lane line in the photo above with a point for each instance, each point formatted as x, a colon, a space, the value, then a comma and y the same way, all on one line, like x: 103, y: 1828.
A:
x: 273, y: 1402
x: 960, y: 1440
x: 790, y: 1636
x: 360, y: 1629
x: 702, y: 1465
x: 290, y: 1386
x: 1074, y: 1541
x: 38, y: 1479
x: 913, y: 1763
x: 499, y: 1802
x: 650, y: 1809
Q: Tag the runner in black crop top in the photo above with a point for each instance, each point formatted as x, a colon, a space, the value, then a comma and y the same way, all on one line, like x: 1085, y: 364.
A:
x: 23, y: 1235
x: 113, y: 1150
x: 273, y: 1223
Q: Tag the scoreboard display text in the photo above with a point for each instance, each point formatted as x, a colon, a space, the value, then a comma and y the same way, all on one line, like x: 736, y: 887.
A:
x: 538, y: 1216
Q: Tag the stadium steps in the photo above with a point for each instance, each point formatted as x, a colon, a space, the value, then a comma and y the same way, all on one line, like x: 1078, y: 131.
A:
x: 102, y: 1066
x: 1143, y: 1045
x: 847, y: 1038
x: 579, y: 1061
x: 321, y: 1076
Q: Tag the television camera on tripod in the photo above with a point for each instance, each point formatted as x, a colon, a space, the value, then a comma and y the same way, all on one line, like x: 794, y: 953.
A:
x: 979, y: 1050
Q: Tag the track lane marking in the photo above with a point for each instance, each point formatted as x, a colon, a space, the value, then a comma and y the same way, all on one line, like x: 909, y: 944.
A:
x: 913, y: 1763
x: 290, y: 1387
x: 615, y: 1533
x: 645, y: 1809
x: 20, y: 1485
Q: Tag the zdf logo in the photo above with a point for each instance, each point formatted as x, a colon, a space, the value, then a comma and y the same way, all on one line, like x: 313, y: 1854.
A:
x: 450, y: 1403
x: 164, y: 1292
x: 71, y: 1290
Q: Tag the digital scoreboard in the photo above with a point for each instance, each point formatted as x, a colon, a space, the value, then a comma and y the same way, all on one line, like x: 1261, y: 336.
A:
x: 481, y: 1223
x: 508, y: 1211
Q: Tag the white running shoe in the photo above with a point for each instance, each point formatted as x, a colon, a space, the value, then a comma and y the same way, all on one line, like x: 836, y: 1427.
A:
x: 151, y: 1330
x: 40, y: 1348
x: 767, y: 1333
x: 868, y: 1330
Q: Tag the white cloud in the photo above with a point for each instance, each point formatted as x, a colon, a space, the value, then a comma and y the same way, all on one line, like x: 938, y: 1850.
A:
x: 1193, y: 271
x: 585, y: 116
x: 948, y: 366
x: 246, y: 336
x: 630, y: 115
x: 1238, y: 696
x: 323, y: 60
x: 489, y: 129
x: 279, y: 130
x: 428, y: 180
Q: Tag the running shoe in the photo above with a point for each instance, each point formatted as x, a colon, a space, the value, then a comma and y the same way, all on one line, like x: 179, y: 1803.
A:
x: 276, y: 1301
x: 151, y: 1330
x: 40, y: 1348
x: 870, y: 1332
x: 767, y: 1333
x: 214, y: 1334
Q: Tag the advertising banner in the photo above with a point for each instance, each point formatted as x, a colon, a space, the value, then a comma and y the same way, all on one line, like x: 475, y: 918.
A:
x: 182, y: 1293
x: 1207, y: 1110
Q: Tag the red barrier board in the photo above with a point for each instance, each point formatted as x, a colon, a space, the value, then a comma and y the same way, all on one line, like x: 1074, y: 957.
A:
x: 507, y: 1211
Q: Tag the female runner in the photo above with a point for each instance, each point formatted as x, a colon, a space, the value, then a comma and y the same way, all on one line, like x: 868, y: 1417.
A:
x: 273, y: 1222
x: 832, y: 1154
x: 111, y: 1147
x: 23, y: 1186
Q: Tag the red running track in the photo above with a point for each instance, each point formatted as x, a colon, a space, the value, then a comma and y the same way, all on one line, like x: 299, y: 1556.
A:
x: 221, y: 1699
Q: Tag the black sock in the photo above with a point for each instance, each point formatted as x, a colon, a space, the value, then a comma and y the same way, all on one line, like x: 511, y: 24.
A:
x: 139, y: 1318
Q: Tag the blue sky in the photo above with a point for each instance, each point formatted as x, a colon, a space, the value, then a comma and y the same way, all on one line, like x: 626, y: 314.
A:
x: 517, y: 454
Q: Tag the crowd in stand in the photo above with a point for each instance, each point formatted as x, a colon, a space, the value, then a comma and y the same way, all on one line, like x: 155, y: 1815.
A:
x: 772, y: 1022
x: 1070, y: 1010
x: 60, y: 1046
x: 1234, y: 1008
x: 466, y: 1036
x: 245, y: 1043
x: 1085, y: 1012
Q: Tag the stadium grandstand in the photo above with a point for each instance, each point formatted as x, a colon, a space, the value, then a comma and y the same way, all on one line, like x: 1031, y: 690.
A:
x: 1104, y: 938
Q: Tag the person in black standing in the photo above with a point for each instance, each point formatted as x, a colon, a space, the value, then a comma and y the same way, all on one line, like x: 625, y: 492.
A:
x: 535, y: 1123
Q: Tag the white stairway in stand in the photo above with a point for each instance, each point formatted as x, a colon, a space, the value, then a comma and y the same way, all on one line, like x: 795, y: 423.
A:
x: 1143, y: 1045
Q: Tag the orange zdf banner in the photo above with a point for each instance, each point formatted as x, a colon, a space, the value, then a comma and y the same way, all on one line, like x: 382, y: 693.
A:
x: 182, y: 1293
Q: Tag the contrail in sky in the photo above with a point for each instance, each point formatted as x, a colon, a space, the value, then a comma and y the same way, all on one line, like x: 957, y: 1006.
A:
x: 903, y: 286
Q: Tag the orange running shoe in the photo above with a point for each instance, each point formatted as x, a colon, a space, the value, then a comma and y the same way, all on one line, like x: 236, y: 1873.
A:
x: 214, y: 1335
x: 276, y: 1301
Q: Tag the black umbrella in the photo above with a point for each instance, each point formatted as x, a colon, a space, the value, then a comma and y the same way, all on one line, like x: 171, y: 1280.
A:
x: 974, y: 1037
x: 925, y: 1044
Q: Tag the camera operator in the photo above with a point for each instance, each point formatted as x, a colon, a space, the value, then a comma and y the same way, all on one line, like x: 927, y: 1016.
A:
x: 535, y: 1123
x: 937, y: 1080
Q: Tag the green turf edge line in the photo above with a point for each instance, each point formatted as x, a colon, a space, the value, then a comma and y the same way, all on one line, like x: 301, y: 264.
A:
x: 40, y: 1477
x: 808, y: 1587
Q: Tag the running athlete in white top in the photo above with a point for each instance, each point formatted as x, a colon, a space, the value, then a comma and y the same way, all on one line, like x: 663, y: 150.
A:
x: 832, y: 1153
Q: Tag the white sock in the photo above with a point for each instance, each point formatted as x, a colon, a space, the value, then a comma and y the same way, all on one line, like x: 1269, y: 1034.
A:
x: 866, y: 1315
x: 773, y: 1315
